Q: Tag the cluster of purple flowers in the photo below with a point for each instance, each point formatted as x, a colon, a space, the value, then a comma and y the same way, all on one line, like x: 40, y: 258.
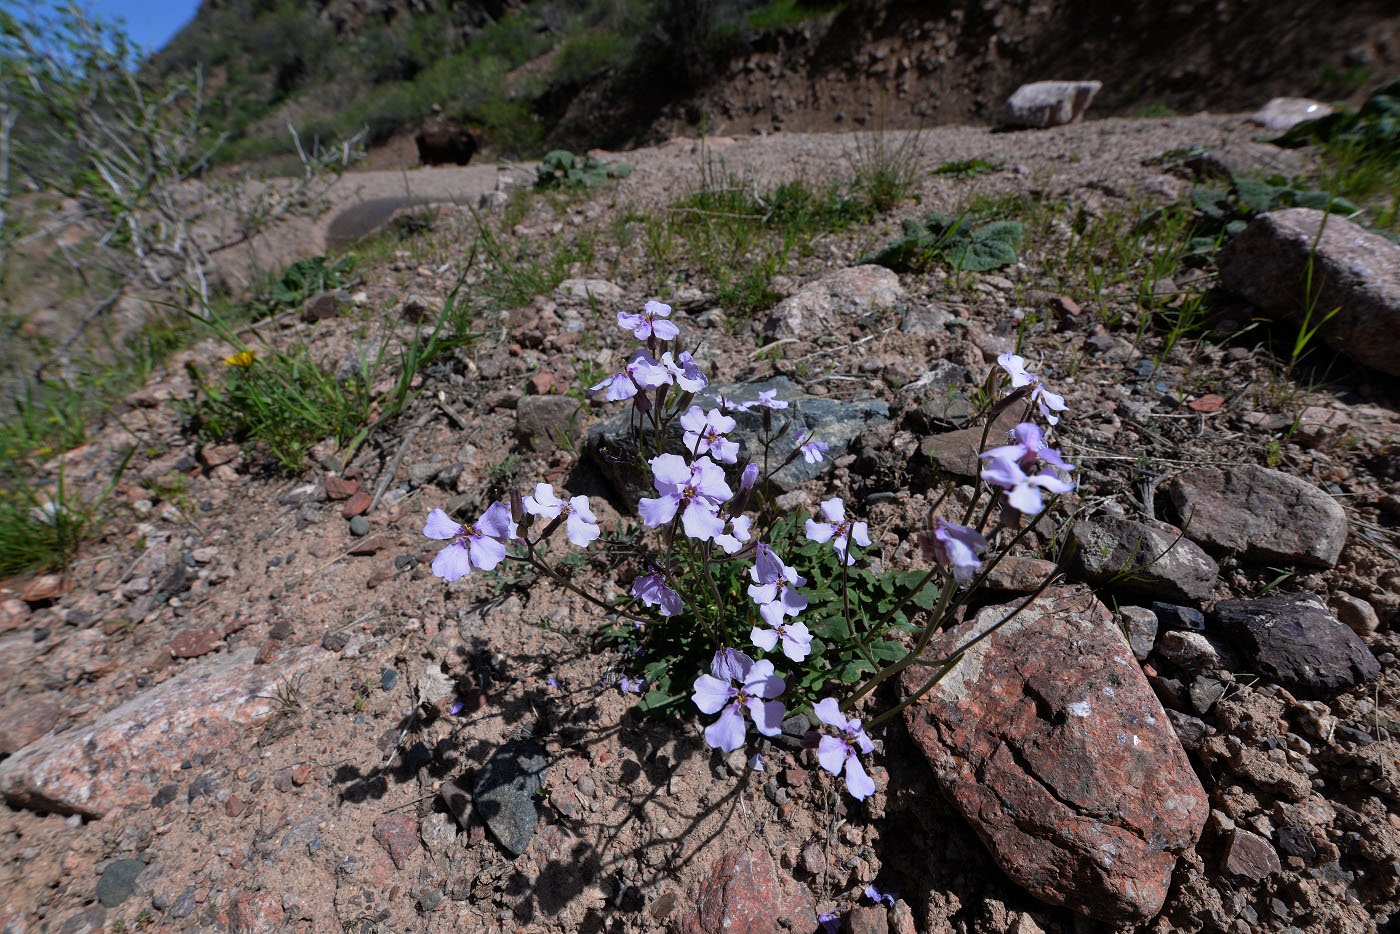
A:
x: 694, y: 498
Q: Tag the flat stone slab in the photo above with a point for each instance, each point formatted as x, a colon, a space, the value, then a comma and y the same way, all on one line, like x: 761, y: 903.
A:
x: 1048, y: 739
x: 1294, y: 640
x: 1288, y: 261
x: 1262, y: 515
x: 119, y: 759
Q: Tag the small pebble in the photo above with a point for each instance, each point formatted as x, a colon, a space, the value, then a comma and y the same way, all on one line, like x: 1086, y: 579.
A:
x: 388, y: 679
x: 359, y: 526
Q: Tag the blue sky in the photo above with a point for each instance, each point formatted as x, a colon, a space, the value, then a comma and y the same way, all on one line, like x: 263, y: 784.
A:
x: 150, y: 23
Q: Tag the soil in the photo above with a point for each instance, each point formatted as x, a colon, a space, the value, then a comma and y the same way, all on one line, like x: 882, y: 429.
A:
x: 295, y: 822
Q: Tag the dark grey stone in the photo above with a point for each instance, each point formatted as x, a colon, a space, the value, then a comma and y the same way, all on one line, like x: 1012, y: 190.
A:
x: 1140, y: 626
x: 835, y: 422
x: 1135, y: 557
x: 539, y: 420
x: 1173, y: 616
x: 388, y: 678
x: 1295, y: 841
x: 165, y: 795
x: 359, y: 526
x: 117, y: 882
x: 1190, y: 731
x: 201, y: 786
x: 184, y: 905
x: 1294, y: 640
x: 505, y: 792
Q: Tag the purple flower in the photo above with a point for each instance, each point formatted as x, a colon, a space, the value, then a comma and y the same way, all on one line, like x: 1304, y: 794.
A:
x: 956, y: 547
x: 836, y: 753
x: 455, y: 708
x: 797, y: 639
x: 631, y: 685
x: 480, y: 545
x: 685, y: 371
x: 767, y: 399
x: 756, y: 762
x: 641, y: 372
x: 830, y: 922
x: 696, y: 489
x: 705, y: 434
x: 651, y: 589
x: 1015, y: 366
x: 1028, y: 448
x: 650, y: 321
x: 580, y: 524
x: 1021, y: 491
x: 876, y: 896
x: 750, y: 686
x: 774, y: 587
x: 748, y: 478
x: 837, y: 529
x: 733, y: 540
x: 813, y: 451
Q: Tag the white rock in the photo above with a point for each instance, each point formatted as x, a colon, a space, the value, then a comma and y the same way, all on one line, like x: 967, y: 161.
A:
x: 1049, y: 103
x: 1284, y: 113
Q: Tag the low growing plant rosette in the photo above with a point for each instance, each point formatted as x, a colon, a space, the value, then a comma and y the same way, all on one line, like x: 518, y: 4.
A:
x: 749, y: 616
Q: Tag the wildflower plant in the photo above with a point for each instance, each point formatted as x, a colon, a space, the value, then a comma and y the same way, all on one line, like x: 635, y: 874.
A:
x: 748, y: 616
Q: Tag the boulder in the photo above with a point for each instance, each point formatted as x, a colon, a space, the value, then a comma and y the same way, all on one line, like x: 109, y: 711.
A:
x: 1354, y: 271
x: 441, y: 141
x: 540, y: 420
x: 1262, y: 515
x: 1138, y: 557
x: 121, y: 757
x: 1284, y: 113
x: 824, y: 304
x: 1294, y: 640
x: 1049, y: 103
x: 1048, y: 739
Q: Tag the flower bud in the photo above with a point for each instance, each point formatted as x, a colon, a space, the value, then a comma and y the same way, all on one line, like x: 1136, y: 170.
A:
x: 517, y: 505
x: 748, y: 478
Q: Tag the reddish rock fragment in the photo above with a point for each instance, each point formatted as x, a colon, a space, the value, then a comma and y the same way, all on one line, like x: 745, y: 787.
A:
x: 196, y: 641
x: 301, y: 775
x: 398, y: 834
x: 235, y: 806
x: 1049, y: 740
x: 744, y: 894
x: 42, y: 589
x: 1251, y: 856
x: 357, y: 503
x: 24, y: 723
x: 13, y: 614
x: 255, y: 913
x: 338, y: 488
x: 369, y: 545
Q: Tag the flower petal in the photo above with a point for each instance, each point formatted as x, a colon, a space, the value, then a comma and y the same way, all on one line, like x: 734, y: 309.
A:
x: 831, y: 754
x: 452, y: 562
x: 440, y: 526
x: 711, y: 693
x: 727, y: 732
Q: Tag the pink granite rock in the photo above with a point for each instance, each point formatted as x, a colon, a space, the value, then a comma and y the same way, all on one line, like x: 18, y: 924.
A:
x: 1049, y: 740
x: 120, y: 758
x: 745, y: 894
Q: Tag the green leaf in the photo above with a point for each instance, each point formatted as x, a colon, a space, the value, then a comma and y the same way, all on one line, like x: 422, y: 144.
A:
x: 1255, y: 195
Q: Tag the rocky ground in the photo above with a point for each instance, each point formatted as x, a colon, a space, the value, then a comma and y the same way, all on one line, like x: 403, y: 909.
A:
x: 236, y: 712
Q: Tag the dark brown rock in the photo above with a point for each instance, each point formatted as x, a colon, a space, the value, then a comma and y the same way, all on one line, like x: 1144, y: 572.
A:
x: 745, y: 894
x: 868, y: 920
x: 1294, y: 640
x: 1049, y: 740
x: 1289, y: 261
x: 323, y: 306
x: 357, y: 503
x: 1138, y: 557
x: 1250, y: 856
x: 398, y: 834
x: 369, y: 545
x: 1260, y: 514
x: 441, y: 141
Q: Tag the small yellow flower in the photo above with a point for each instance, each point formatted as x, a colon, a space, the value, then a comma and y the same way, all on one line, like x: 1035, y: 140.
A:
x: 242, y: 358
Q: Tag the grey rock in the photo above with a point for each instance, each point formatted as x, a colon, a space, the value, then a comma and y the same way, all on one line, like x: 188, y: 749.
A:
x: 600, y: 290
x: 956, y: 452
x: 1135, y: 557
x: 1140, y: 626
x: 359, y: 526
x: 1260, y: 514
x: 505, y: 789
x: 1189, y: 651
x: 925, y: 320
x: 1205, y: 693
x: 944, y: 395
x: 613, y: 447
x: 118, y: 881
x: 1174, y: 616
x: 1353, y: 270
x: 1191, y: 731
x: 541, y: 419
x: 492, y: 202
x: 1284, y: 113
x: 824, y: 304
x: 1049, y: 103
x: 91, y: 920
x: 423, y: 473
x: 1294, y: 640
x: 184, y: 905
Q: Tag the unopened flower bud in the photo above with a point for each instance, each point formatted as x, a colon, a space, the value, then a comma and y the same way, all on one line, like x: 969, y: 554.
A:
x: 517, y: 505
x: 748, y: 478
